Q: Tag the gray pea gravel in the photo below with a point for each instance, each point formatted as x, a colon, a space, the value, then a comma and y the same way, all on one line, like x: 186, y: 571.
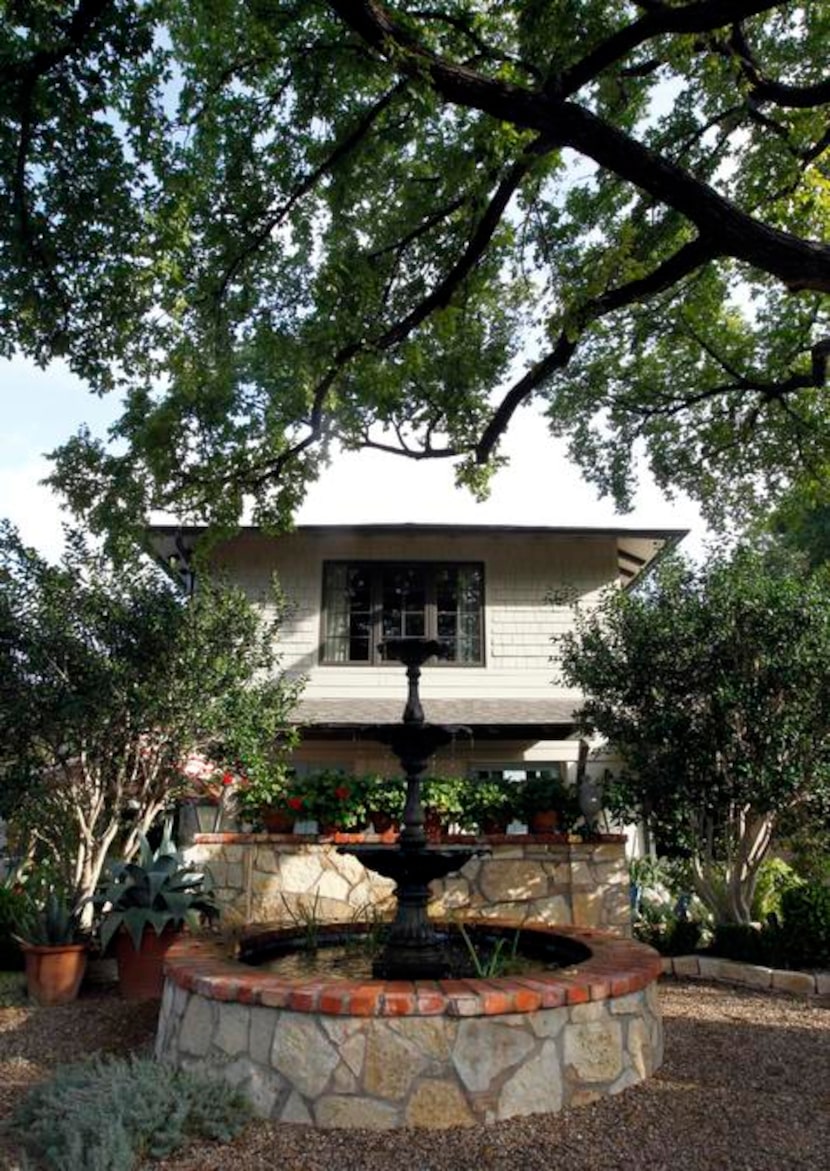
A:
x: 745, y: 1085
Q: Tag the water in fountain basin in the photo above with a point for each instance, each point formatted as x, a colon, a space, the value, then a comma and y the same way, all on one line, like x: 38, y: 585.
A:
x: 470, y: 950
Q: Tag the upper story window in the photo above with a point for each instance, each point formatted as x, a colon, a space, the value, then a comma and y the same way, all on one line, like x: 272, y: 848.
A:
x: 366, y: 602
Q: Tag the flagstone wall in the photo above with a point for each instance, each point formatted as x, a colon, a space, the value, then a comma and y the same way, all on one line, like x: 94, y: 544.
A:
x: 261, y: 877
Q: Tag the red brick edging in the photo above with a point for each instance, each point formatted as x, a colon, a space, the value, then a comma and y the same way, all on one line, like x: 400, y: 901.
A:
x: 616, y: 967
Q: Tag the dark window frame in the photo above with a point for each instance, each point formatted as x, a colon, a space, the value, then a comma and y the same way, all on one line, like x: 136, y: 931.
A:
x: 375, y: 569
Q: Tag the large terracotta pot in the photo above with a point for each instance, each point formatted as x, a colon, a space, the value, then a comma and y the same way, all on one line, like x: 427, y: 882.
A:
x: 54, y: 974
x: 141, y: 973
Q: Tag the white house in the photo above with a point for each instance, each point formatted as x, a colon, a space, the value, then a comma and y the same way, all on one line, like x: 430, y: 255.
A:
x: 498, y: 595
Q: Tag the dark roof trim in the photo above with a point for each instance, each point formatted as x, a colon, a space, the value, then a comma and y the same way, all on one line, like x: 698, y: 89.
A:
x: 427, y: 529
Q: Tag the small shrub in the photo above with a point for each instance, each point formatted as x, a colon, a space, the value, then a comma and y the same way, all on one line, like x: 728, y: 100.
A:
x: 805, y: 930
x: 670, y: 935
x: 14, y: 906
x: 109, y: 1113
x: 745, y: 943
x: 774, y: 877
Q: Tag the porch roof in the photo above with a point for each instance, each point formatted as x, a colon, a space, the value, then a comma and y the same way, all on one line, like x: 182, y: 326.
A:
x: 505, y: 718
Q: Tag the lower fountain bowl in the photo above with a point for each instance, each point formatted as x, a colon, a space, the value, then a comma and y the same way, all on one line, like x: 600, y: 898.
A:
x: 334, y: 1052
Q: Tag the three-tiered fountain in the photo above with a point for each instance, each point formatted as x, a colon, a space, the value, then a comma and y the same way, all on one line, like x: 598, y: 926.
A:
x: 414, y: 949
x: 411, y: 1047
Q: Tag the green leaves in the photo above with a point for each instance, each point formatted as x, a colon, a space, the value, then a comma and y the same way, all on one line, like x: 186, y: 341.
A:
x: 712, y: 686
x: 275, y: 226
x: 157, y: 892
x: 109, y: 678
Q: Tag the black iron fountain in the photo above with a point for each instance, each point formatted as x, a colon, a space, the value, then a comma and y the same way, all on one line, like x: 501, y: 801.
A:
x: 414, y: 948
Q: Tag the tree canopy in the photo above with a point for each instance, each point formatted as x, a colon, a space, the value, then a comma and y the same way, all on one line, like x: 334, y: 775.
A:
x: 277, y: 224
x: 712, y: 685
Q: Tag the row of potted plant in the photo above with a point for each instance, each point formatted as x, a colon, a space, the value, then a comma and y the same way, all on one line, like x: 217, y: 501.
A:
x: 137, y: 911
x: 335, y: 800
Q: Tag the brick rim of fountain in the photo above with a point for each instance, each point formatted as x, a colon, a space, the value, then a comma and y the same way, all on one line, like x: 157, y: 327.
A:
x: 616, y: 968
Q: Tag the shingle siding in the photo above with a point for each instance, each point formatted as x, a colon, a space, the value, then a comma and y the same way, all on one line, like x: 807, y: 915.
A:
x: 520, y: 621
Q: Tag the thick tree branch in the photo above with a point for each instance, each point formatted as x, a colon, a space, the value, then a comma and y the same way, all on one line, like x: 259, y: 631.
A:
x: 799, y: 264
x: 683, y: 262
x: 475, y: 249
x: 336, y: 155
x: 803, y: 97
x: 703, y: 16
x: 440, y: 296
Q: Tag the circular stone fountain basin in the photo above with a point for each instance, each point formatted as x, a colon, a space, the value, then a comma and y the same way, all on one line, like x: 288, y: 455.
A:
x: 435, y: 1053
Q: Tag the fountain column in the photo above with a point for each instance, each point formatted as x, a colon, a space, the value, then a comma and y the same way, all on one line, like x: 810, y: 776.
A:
x: 414, y: 949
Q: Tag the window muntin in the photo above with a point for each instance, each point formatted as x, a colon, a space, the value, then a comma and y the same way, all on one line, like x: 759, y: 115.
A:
x: 365, y: 603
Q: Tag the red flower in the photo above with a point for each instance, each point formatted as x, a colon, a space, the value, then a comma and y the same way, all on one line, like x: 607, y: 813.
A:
x: 228, y: 778
x: 295, y: 803
x: 341, y: 792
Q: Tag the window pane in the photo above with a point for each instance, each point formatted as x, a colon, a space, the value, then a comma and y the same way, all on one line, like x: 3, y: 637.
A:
x: 366, y: 602
x: 348, y: 603
x: 458, y: 594
x: 404, y: 601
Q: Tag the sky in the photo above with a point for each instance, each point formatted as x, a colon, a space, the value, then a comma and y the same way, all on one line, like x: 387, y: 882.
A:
x: 43, y: 408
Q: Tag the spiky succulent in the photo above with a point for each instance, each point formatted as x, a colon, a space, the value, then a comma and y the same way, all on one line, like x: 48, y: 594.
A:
x: 157, y: 890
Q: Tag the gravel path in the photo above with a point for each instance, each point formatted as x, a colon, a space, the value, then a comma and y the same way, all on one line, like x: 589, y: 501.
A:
x: 745, y: 1085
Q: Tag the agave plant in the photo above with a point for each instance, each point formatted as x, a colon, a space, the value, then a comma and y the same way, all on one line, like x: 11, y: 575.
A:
x: 157, y: 891
x: 52, y: 924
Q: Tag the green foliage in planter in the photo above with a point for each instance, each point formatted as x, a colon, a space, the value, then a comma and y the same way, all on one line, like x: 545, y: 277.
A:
x: 330, y: 796
x: 487, y: 802
x: 51, y: 924
x: 157, y: 891
x: 445, y: 795
x: 108, y: 1114
x: 805, y: 930
x: 384, y: 795
x: 539, y: 794
x: 267, y: 787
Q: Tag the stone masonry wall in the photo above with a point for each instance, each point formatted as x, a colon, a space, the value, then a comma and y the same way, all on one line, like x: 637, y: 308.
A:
x: 263, y: 878
x: 342, y: 1053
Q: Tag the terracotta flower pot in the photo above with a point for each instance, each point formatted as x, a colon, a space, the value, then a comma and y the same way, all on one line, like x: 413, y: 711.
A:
x: 277, y: 821
x: 382, y: 822
x: 141, y: 973
x: 54, y: 974
x: 544, y: 821
x: 433, y: 825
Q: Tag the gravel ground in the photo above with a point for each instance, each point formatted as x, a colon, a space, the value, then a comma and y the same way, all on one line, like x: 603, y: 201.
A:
x: 745, y: 1084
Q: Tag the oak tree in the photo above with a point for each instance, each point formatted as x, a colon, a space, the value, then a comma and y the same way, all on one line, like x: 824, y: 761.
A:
x: 273, y: 224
